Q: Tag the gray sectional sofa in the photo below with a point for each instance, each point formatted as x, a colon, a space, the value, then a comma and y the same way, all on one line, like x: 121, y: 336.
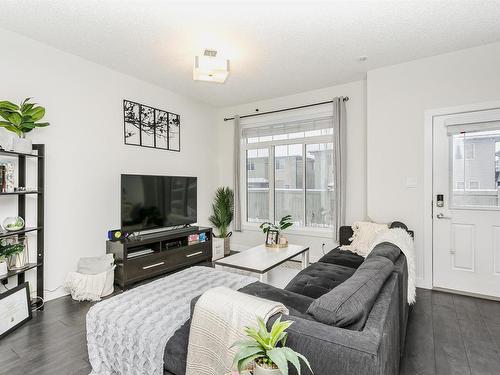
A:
x: 349, y: 313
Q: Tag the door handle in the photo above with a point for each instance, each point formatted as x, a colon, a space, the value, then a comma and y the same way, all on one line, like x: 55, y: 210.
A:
x: 441, y: 216
x: 193, y: 254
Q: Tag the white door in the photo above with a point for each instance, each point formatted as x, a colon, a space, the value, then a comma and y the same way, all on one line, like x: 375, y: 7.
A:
x: 466, y: 202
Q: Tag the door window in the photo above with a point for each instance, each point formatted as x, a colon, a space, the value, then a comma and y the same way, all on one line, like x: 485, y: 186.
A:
x: 475, y: 166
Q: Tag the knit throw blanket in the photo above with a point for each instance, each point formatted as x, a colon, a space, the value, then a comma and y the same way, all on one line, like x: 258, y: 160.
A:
x: 217, y: 323
x: 127, y: 334
x: 404, y: 241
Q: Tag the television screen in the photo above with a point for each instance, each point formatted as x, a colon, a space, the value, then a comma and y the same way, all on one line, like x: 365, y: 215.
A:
x: 149, y: 202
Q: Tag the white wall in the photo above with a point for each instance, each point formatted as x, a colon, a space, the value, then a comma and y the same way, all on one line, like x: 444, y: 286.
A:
x: 85, y: 150
x: 397, y: 97
x: 356, y: 157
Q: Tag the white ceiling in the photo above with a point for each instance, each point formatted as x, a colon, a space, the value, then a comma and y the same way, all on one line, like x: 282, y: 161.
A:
x: 276, y: 48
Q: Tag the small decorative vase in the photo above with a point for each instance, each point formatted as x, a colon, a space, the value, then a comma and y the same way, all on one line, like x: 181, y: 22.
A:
x: 12, y: 223
x: 3, y: 268
x: 264, y: 371
x: 22, y: 145
x: 19, y: 260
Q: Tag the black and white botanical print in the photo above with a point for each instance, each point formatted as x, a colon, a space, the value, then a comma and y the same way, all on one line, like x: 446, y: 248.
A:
x: 174, y: 142
x: 132, y: 123
x: 150, y: 127
x: 147, y: 126
x: 161, y: 134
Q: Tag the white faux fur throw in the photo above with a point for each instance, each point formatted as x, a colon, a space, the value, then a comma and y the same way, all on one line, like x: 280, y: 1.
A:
x: 402, y: 239
x: 364, y: 233
x: 219, y: 318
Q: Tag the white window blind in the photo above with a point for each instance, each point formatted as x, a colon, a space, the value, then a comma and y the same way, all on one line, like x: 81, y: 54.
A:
x: 310, y: 127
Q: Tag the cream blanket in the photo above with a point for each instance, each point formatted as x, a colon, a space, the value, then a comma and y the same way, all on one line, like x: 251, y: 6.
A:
x: 402, y: 239
x: 218, y: 321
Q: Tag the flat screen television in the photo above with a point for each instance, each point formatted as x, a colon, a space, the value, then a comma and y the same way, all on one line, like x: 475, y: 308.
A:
x: 150, y: 202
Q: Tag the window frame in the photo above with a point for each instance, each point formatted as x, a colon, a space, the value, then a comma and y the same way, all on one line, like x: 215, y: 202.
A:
x: 270, y: 145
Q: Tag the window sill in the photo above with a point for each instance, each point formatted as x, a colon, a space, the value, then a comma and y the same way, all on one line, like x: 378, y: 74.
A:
x: 306, y: 232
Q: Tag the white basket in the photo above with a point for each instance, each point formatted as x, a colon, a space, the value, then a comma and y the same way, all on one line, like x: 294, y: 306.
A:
x: 110, y: 280
x: 217, y: 248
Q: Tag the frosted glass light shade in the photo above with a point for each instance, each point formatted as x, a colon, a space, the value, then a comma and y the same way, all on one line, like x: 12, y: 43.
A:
x: 210, y: 69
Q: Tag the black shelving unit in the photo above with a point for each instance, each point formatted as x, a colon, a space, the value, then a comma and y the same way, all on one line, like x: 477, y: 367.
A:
x: 21, y: 211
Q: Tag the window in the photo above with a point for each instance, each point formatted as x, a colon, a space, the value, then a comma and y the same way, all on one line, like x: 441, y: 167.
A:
x: 474, y: 185
x: 475, y: 166
x: 290, y: 171
x: 257, y: 185
x: 470, y: 151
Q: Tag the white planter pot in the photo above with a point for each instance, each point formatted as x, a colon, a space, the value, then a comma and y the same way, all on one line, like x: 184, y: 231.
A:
x: 22, y: 145
x: 3, y: 268
x: 264, y: 371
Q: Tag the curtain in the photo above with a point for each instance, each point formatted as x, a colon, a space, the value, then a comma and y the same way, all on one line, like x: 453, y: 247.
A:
x: 339, y: 145
x: 236, y: 174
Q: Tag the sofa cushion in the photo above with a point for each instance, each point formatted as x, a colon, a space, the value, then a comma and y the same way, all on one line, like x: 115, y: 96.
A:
x: 387, y: 250
x: 297, y: 304
x: 344, y: 258
x: 350, y: 303
x: 318, y: 279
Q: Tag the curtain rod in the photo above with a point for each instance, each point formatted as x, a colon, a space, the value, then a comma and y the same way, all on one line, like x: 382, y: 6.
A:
x: 285, y: 109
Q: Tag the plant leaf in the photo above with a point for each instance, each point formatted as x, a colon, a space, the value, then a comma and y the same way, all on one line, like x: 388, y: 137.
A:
x: 15, y: 118
x: 36, y: 113
x: 10, y: 127
x: 246, y: 352
x: 41, y: 124
x: 278, y: 357
x: 303, y: 359
x: 292, y: 357
x: 278, y: 328
x: 8, y: 106
x: 250, y: 342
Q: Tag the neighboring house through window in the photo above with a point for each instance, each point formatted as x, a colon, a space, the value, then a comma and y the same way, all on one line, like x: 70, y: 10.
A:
x: 290, y: 171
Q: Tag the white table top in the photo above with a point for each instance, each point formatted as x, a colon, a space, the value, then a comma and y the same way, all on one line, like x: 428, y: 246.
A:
x: 261, y: 259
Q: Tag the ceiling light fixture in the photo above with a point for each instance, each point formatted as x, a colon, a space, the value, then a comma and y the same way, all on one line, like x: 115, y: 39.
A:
x: 210, y: 68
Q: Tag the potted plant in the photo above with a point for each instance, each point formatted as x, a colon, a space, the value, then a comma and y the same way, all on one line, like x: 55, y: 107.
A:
x: 21, y: 119
x: 11, y: 253
x: 223, y: 212
x: 267, y: 350
x: 270, y: 228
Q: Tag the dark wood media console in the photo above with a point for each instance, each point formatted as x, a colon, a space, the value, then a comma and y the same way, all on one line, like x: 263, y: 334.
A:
x: 151, y: 255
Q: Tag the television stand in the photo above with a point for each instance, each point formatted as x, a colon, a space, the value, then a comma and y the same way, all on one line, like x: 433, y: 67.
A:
x: 141, y: 257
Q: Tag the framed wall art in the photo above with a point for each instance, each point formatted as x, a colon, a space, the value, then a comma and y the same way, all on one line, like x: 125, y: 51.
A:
x: 15, y: 309
x: 151, y: 127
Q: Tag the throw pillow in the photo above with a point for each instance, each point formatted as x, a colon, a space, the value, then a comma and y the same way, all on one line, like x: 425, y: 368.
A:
x: 350, y: 303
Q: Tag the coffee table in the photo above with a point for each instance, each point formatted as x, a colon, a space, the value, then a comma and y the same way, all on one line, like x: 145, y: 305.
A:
x: 261, y: 259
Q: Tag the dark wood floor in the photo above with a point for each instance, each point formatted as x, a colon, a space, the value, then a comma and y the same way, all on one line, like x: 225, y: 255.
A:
x: 452, y: 334
x: 447, y: 334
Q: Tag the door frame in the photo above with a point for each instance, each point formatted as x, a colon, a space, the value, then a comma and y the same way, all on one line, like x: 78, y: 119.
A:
x: 426, y: 281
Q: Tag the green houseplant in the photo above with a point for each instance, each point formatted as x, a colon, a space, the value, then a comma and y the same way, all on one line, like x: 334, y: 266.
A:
x: 223, y: 213
x: 267, y: 350
x: 21, y: 119
x: 284, y: 223
x: 9, y: 252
